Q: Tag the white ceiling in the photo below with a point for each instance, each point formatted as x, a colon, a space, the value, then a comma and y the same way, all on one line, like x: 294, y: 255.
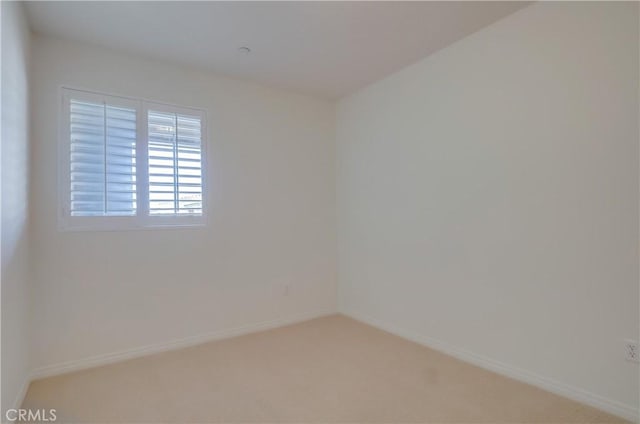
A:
x: 327, y: 49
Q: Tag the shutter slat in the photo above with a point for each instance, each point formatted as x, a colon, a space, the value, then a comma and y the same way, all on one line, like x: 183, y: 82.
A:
x: 165, y: 184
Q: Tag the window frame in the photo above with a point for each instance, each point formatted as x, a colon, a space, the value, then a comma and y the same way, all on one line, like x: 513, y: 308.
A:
x: 142, y: 219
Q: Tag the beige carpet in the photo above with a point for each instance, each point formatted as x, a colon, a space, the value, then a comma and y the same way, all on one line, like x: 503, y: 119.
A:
x: 331, y: 369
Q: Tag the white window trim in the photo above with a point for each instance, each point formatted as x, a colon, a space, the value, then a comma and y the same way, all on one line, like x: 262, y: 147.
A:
x: 142, y: 220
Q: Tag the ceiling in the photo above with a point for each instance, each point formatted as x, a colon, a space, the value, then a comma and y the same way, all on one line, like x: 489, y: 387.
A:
x: 326, y: 49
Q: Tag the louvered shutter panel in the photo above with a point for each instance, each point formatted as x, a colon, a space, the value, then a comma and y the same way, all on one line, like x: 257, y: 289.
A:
x: 175, y: 164
x: 102, y: 159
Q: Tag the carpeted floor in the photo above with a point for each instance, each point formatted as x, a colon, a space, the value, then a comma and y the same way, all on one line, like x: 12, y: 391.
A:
x: 331, y: 369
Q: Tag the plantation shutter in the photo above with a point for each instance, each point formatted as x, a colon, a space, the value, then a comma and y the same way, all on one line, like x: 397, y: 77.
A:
x: 175, y: 164
x: 104, y: 139
x: 102, y: 159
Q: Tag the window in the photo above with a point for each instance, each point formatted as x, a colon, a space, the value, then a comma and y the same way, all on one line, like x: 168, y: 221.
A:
x: 175, y: 165
x: 102, y: 158
x: 129, y: 163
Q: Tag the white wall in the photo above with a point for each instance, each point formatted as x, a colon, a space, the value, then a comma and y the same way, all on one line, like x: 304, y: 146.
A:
x: 15, y: 203
x: 271, y: 188
x: 488, y: 198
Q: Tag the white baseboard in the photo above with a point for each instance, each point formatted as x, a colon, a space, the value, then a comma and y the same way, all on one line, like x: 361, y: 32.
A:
x: 110, y: 358
x: 21, y: 394
x: 611, y: 406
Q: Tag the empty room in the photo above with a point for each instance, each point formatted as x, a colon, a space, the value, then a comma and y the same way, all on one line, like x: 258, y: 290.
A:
x: 320, y: 212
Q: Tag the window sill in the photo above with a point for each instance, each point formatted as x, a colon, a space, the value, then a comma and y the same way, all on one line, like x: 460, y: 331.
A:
x: 99, y: 224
